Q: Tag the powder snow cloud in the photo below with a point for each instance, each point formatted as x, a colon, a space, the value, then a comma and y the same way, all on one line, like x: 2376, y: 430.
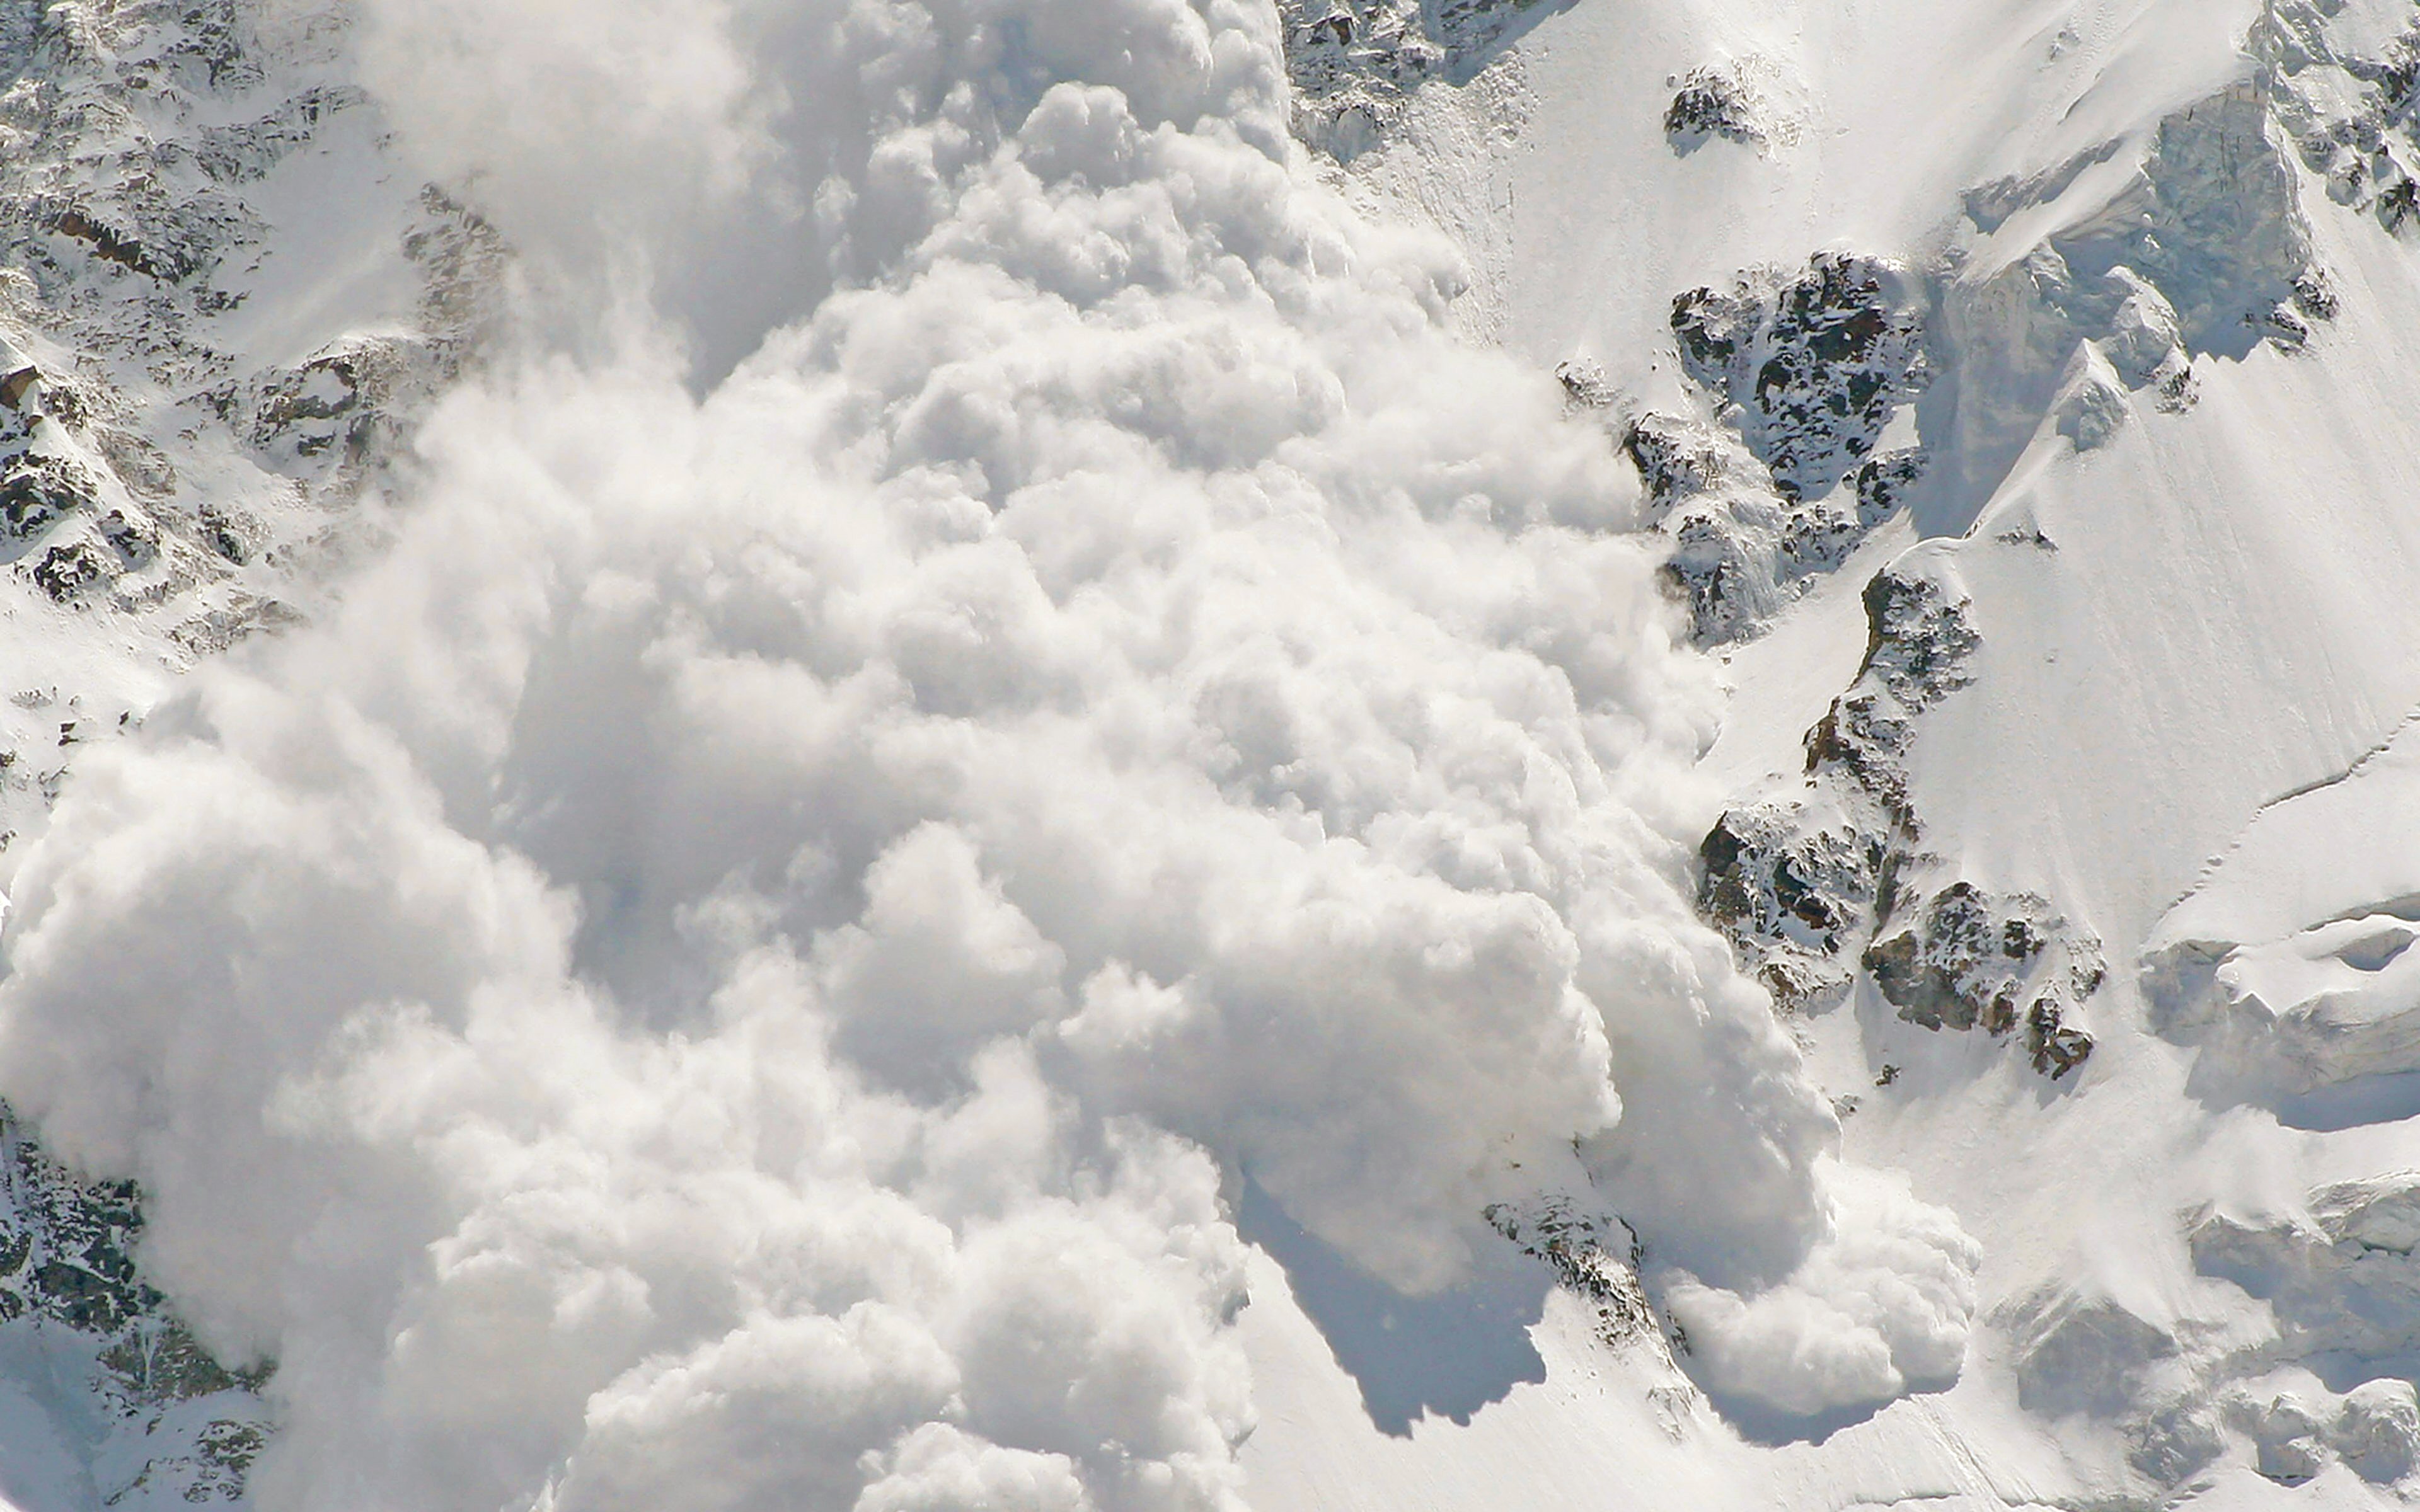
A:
x: 732, y: 966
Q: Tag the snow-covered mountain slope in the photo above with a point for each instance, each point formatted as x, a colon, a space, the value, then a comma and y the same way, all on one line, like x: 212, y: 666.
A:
x: 2163, y: 514
x: 222, y: 304
x: 1141, y: 755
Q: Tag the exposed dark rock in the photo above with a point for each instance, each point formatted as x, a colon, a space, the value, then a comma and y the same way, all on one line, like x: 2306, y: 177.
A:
x: 1919, y: 643
x: 224, y: 536
x: 1957, y: 965
x: 1742, y: 549
x: 1968, y: 959
x: 1918, y: 647
x: 113, y: 245
x: 1804, y: 887
x: 2053, y: 1048
x: 1791, y: 895
x: 1594, y: 1257
x: 68, y: 572
x: 1715, y: 102
x: 1812, y: 366
x: 68, y: 1254
x: 36, y: 492
x: 136, y: 542
x: 1882, y: 483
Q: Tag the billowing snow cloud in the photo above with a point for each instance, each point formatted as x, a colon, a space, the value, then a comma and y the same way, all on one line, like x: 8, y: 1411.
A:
x: 1880, y: 1306
x: 731, y: 967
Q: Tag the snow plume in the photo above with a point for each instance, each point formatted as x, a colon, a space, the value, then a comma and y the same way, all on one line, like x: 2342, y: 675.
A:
x: 732, y: 966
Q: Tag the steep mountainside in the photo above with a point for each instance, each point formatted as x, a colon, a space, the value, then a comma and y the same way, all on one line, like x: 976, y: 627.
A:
x: 2036, y: 387
x: 222, y: 307
x: 1426, y: 754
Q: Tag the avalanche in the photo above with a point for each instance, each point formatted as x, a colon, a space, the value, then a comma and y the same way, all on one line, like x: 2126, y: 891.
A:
x: 1135, y: 754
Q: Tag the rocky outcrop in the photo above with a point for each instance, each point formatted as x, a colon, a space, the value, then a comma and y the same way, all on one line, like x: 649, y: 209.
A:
x: 1353, y: 63
x: 1919, y: 643
x: 1810, y: 366
x: 1592, y: 1256
x: 1799, y: 884
x: 137, y: 136
x: 1834, y: 879
x: 1738, y: 100
x: 2344, y: 80
x: 1966, y: 959
x: 182, y: 1423
x: 1742, y: 549
x: 155, y: 482
x: 1795, y: 893
x: 1803, y: 372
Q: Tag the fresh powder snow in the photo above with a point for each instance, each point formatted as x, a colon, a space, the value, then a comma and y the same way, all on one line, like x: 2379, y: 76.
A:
x: 1184, y: 755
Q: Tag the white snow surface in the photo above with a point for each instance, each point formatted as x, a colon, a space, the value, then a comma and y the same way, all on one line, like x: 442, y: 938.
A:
x: 1011, y: 770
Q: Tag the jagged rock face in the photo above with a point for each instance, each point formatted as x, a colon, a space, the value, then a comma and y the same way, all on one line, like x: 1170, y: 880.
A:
x: 1798, y: 886
x: 1811, y: 366
x: 1806, y: 372
x: 180, y: 1422
x: 125, y: 185
x: 1804, y: 887
x: 1964, y: 958
x: 1742, y: 549
x: 1919, y: 644
x: 1353, y: 62
x: 157, y: 484
x: 1791, y: 893
x: 1967, y: 959
x: 1678, y: 459
x: 1595, y: 1257
x: 1717, y: 101
x: 2342, y: 79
